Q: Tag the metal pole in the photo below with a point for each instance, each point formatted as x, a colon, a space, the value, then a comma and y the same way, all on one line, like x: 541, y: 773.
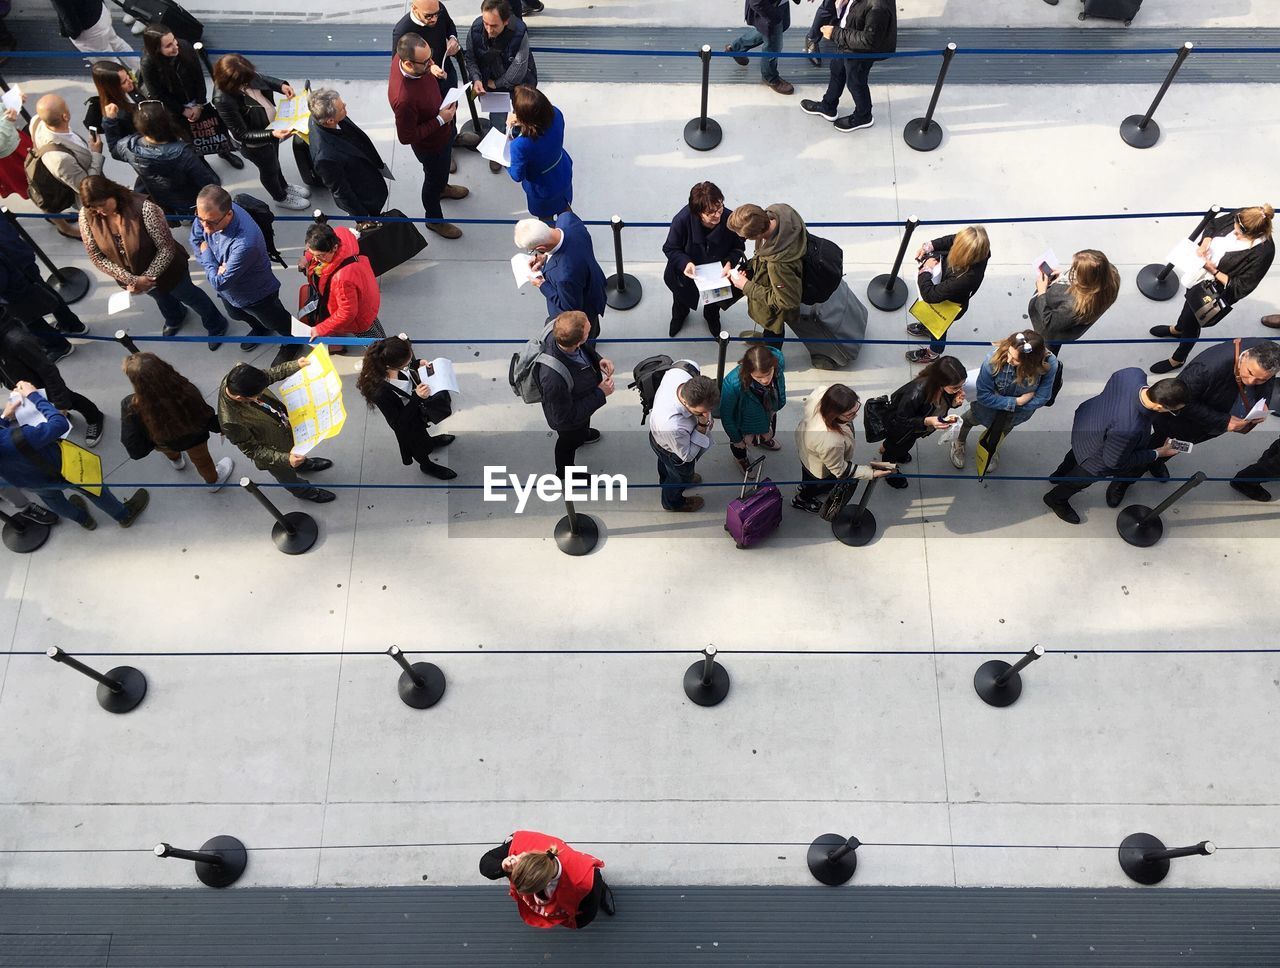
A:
x: 220, y: 861
x: 722, y: 346
x: 1195, y: 480
x: 1033, y: 653
x: 706, y: 682
x: 57, y: 655
x: 703, y: 133
x: 473, y: 131
x: 198, y: 46
x: 1155, y: 281
x: 122, y: 337
x: 832, y: 859
x: 1141, y: 526
x: 888, y: 292
x: 401, y: 661
x: 165, y: 850
x: 1202, y: 849
x: 253, y: 489
x: 621, y: 291
x: 421, y: 684
x: 924, y: 134
x: 856, y: 526
x: 708, y: 664
x: 71, y: 284
x: 293, y: 533
x: 576, y: 534
x: 119, y: 690
x: 1143, y: 132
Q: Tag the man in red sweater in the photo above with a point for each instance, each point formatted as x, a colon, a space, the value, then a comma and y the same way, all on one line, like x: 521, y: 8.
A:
x: 424, y: 126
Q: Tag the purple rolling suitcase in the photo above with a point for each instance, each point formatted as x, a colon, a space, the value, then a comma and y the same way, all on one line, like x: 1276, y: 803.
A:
x: 752, y: 519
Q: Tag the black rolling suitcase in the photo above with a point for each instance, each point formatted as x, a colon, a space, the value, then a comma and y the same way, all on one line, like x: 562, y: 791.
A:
x: 1124, y: 10
x: 391, y: 243
x: 172, y: 15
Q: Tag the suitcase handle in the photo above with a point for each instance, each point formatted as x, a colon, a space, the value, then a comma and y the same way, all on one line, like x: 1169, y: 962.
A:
x: 756, y: 465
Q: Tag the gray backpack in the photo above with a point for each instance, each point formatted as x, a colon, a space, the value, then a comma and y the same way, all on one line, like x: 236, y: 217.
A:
x: 523, y: 372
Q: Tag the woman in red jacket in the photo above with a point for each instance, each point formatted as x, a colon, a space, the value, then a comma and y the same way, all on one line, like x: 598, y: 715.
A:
x: 343, y: 286
x: 551, y: 882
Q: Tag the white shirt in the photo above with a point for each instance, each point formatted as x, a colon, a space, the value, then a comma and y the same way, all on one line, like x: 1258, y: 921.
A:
x: 672, y: 426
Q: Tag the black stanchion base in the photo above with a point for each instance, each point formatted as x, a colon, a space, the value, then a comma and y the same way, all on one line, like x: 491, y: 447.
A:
x: 853, y: 527
x: 32, y: 536
x: 305, y: 533
x: 828, y: 871
x: 581, y: 543
x: 1138, y: 137
x: 887, y: 299
x: 1138, y: 526
x: 133, y: 687
x: 921, y: 136
x: 422, y: 697
x: 472, y: 133
x: 706, y: 695
x: 234, y: 860
x: 984, y: 684
x: 74, y: 285
x: 627, y: 298
x: 701, y: 138
x: 1131, y: 862
x: 1149, y: 283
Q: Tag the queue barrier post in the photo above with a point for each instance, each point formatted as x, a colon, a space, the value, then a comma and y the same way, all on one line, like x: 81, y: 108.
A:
x: 888, y: 292
x: 999, y: 684
x: 203, y: 54
x: 23, y: 535
x: 925, y: 134
x: 1140, y: 131
x: 421, y: 684
x: 1141, y: 526
x: 621, y: 290
x: 706, y: 682
x: 856, y: 526
x: 122, y: 337
x: 1159, y: 282
x: 1145, y: 858
x: 576, y: 534
x: 703, y: 133
x: 293, y: 533
x: 722, y: 350
x: 70, y: 283
x: 832, y: 859
x: 219, y: 862
x: 472, y: 132
x: 119, y: 691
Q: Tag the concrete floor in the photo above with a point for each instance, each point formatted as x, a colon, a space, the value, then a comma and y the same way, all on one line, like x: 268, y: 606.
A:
x: 289, y: 750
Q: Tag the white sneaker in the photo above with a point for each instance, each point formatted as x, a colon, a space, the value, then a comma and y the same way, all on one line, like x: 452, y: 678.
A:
x: 957, y: 454
x: 993, y: 462
x: 180, y: 463
x: 224, y: 468
x: 301, y: 190
x: 295, y: 202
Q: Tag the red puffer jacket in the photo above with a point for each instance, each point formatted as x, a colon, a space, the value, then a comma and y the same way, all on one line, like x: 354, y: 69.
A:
x: 353, y: 296
x: 577, y: 876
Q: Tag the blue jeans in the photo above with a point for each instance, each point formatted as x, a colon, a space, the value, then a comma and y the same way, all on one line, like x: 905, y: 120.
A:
x: 173, y: 306
x: 674, y: 475
x: 57, y: 502
x: 753, y: 38
x: 851, y: 74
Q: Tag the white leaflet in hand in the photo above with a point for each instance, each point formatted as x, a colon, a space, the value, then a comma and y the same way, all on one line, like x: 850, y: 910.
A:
x: 1188, y: 263
x: 497, y: 102
x: 12, y: 99
x: 712, y: 285
x: 496, y: 147
x: 453, y: 97
x: 298, y: 328
x: 1047, y: 256
x: 520, y: 269
x: 1260, y: 410
x: 28, y: 415
x: 442, y: 377
x: 119, y: 302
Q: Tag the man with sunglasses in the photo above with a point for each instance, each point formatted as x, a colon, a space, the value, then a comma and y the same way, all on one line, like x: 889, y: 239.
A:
x: 425, y: 126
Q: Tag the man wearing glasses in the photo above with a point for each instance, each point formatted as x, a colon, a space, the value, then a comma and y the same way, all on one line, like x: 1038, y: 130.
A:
x: 426, y: 127
x: 430, y: 20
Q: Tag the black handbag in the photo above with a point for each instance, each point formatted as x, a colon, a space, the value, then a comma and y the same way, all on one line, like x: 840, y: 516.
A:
x: 875, y: 418
x: 1207, y: 300
x: 837, y: 498
x: 1057, y: 385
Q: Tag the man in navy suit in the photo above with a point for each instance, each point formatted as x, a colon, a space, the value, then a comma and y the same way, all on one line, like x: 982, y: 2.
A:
x: 345, y: 158
x: 571, y: 279
x: 1110, y: 437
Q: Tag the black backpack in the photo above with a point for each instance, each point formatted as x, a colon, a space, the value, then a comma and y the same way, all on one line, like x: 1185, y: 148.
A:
x: 264, y: 218
x: 649, y: 373
x: 823, y: 268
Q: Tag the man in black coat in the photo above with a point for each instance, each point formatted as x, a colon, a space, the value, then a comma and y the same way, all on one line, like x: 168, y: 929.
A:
x: 699, y: 235
x: 21, y: 358
x: 344, y: 157
x: 1224, y: 383
x: 863, y: 27
x: 575, y: 390
x: 430, y: 20
x: 30, y: 298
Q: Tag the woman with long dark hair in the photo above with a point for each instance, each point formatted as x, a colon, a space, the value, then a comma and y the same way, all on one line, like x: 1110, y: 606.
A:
x: 168, y: 413
x: 114, y: 85
x: 825, y: 437
x: 750, y: 398
x: 168, y: 167
x: 918, y: 408
x: 173, y: 75
x: 408, y: 404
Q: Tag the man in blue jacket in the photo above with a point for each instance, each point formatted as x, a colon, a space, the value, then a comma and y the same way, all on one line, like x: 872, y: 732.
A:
x: 569, y: 276
x: 569, y: 403
x: 233, y: 253
x: 1110, y: 437
x: 30, y: 459
x: 767, y: 21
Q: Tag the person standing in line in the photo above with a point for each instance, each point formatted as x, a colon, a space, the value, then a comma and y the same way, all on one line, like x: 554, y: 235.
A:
x: 23, y: 360
x: 30, y: 298
x: 773, y: 280
x: 425, y: 126
x: 430, y: 20
x: 750, y: 398
x: 343, y: 279
x: 1110, y: 437
x: 699, y: 235
x: 680, y: 432
x: 568, y: 406
x: 63, y: 153
x: 823, y: 16
x: 166, y: 412
x: 564, y: 262
x: 1246, y: 480
x: 168, y: 168
x: 345, y: 158
x: 825, y: 439
x: 538, y: 159
x: 918, y: 408
x: 498, y: 57
x: 115, y: 87
x: 408, y: 404
x: 862, y: 27
x: 1067, y: 303
x: 173, y: 75
x: 87, y: 24
x: 959, y: 263
x: 767, y: 21
x: 551, y: 883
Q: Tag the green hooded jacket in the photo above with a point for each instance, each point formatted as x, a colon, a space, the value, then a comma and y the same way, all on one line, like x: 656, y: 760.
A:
x: 773, y: 292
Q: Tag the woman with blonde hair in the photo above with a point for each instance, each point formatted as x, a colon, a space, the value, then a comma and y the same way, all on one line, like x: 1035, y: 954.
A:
x: 1014, y: 381
x: 951, y: 270
x: 1067, y: 303
x: 1237, y: 250
x: 552, y: 883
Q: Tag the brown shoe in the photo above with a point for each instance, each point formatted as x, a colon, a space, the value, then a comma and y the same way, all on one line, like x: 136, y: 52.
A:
x: 690, y: 504
x: 1272, y: 321
x: 446, y: 230
x: 495, y: 167
x: 782, y: 86
x: 453, y: 166
x: 455, y: 192
x: 697, y: 479
x: 67, y: 229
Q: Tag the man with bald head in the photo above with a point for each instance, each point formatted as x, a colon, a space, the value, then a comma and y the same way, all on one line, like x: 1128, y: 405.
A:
x: 430, y: 20
x: 66, y: 155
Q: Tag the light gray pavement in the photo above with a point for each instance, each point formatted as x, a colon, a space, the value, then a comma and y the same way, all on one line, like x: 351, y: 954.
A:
x: 288, y: 751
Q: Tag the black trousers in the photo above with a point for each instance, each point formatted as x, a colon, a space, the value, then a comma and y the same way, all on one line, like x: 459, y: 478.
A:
x: 84, y: 406
x: 266, y: 158
x: 268, y: 317
x: 1188, y: 327
x: 567, y: 444
x: 684, y: 300
x: 812, y: 491
x: 435, y: 177
x: 1267, y: 464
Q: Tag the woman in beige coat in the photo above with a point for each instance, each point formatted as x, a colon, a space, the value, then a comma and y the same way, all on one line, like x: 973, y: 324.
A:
x: 825, y: 440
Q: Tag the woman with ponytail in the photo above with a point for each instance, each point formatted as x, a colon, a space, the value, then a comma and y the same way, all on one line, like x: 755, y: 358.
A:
x: 551, y: 883
x: 389, y: 381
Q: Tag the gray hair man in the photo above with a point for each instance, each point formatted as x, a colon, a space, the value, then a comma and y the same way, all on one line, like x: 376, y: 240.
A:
x: 344, y: 157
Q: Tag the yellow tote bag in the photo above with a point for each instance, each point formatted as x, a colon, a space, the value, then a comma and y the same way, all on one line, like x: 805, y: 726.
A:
x: 935, y: 317
x: 81, y: 467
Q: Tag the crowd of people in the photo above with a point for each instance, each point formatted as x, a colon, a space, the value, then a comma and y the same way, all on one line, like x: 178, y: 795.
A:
x: 158, y: 117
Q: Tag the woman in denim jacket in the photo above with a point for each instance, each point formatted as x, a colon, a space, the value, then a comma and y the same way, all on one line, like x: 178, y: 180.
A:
x: 1017, y: 379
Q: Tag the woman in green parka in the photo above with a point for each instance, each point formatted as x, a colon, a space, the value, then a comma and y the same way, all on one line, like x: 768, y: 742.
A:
x: 750, y: 398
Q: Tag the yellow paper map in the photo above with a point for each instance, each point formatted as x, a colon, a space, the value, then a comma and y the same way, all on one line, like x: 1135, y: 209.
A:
x: 313, y: 398
x: 294, y: 114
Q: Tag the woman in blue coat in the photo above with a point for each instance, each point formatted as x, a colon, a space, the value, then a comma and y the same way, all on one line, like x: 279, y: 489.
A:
x: 750, y: 398
x: 538, y: 159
